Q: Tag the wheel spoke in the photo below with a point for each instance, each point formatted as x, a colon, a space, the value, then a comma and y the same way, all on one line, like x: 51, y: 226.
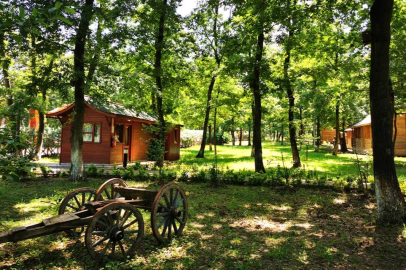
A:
x: 165, y: 227
x: 176, y: 197
x: 107, y: 193
x: 100, y: 233
x: 170, y: 197
x: 83, y: 198
x: 166, y: 201
x: 113, y: 249
x: 113, y: 195
x: 90, y: 197
x: 161, y: 223
x: 180, y: 221
x: 131, y: 223
x: 71, y: 206
x: 77, y: 201
x: 163, y: 206
x: 175, y: 229
x: 132, y: 231
x: 102, y: 223
x: 162, y: 214
x: 169, y: 228
x: 180, y: 201
x: 118, y: 217
x: 126, y: 215
x: 110, y: 218
x: 106, y: 248
x: 122, y: 248
x: 95, y: 244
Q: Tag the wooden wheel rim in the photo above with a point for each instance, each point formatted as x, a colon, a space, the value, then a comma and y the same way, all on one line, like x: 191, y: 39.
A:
x: 106, y: 190
x: 115, y: 232
x: 169, y: 212
x: 74, y: 202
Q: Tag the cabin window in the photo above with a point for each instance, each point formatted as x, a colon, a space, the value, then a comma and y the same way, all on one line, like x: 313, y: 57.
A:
x: 120, y: 133
x: 125, y: 139
x: 175, y: 140
x: 91, y: 132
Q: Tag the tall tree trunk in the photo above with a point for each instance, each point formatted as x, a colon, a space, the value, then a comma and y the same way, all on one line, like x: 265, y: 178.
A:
x: 215, y: 124
x: 249, y: 131
x: 211, y: 86
x: 301, y: 130
x: 318, y: 134
x: 5, y: 63
x: 206, y: 118
x: 159, y: 45
x: 232, y: 131
x: 77, y: 170
x: 255, y: 85
x: 292, y: 128
x: 395, y: 127
x: 390, y: 201
x: 337, y: 140
x: 210, y: 139
x: 343, y: 142
x: 282, y: 133
x: 240, y: 137
x: 253, y: 123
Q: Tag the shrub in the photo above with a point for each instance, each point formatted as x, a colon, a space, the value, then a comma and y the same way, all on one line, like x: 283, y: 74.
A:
x: 200, y: 177
x: 183, y: 177
x: 92, y: 170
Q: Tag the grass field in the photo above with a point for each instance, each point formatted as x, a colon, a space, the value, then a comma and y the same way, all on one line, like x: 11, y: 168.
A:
x: 232, y: 227
x: 274, y: 154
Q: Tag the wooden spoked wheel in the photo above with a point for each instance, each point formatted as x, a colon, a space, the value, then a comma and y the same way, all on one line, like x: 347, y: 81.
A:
x: 115, y: 232
x: 107, y: 191
x: 74, y: 202
x: 169, y: 212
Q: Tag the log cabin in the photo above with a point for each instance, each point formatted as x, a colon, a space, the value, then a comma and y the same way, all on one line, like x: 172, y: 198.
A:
x: 112, y: 132
x: 361, y: 135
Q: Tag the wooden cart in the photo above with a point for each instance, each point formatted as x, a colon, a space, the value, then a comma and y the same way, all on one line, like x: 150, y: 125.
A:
x: 115, y: 226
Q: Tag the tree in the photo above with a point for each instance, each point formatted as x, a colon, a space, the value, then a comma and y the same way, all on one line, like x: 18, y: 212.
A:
x: 214, y: 42
x: 390, y: 200
x: 77, y: 171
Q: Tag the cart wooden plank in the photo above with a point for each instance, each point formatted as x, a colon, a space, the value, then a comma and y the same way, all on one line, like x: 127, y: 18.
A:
x: 60, y: 219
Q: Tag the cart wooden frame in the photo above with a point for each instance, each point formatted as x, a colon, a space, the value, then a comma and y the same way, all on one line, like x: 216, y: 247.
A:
x: 115, y: 226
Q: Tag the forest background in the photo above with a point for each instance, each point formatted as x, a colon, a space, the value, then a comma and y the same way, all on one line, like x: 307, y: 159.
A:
x: 273, y: 66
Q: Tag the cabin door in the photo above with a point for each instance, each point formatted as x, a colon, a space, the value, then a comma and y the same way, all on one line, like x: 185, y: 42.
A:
x: 127, y: 132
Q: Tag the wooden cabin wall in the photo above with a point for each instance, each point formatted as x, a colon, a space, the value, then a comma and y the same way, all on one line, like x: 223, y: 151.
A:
x: 172, y: 145
x: 328, y: 135
x: 98, y: 153
x: 139, y: 146
x: 363, y: 139
x: 400, y: 144
x: 348, y: 138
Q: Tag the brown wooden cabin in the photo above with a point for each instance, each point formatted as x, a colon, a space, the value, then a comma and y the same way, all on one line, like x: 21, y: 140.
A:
x: 361, y: 136
x: 109, y: 131
x: 328, y: 135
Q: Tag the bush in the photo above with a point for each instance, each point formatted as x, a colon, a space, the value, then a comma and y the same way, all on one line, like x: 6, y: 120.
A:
x: 12, y: 164
x: 91, y: 171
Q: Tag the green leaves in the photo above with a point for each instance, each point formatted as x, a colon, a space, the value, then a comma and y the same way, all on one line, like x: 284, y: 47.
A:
x: 64, y: 20
x: 22, y: 12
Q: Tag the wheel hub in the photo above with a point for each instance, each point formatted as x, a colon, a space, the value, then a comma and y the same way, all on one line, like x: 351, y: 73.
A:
x: 116, y: 234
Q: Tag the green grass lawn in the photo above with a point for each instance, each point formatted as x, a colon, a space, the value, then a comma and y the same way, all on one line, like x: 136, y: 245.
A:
x: 232, y: 227
x: 274, y: 154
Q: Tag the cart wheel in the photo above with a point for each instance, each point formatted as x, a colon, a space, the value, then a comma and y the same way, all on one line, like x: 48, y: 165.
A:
x: 107, y: 191
x: 74, y: 202
x: 169, y: 212
x: 115, y: 232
